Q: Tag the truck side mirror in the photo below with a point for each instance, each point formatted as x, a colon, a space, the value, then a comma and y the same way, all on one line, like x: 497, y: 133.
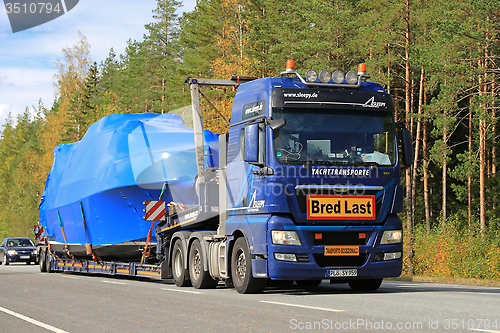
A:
x: 252, y: 143
x: 407, y: 147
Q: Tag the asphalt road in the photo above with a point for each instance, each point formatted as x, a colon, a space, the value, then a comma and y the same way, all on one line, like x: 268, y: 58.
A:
x: 31, y: 301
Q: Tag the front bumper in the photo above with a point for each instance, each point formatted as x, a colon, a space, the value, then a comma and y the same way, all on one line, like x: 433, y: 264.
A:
x: 313, y: 264
x: 284, y: 270
x: 22, y: 258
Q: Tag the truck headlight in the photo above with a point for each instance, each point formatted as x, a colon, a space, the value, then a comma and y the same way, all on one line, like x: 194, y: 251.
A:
x: 392, y: 237
x: 282, y: 237
x: 34, y: 252
x: 12, y: 252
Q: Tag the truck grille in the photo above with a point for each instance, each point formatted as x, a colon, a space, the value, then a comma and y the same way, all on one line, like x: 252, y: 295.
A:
x: 324, y: 261
x: 339, y: 238
x: 302, y: 258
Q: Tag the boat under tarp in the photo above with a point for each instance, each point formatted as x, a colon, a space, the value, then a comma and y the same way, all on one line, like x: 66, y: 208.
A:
x: 95, y: 190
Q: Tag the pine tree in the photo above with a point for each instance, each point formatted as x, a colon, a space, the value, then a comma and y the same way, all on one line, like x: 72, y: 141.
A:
x: 70, y: 84
x: 162, y: 57
x: 198, y: 33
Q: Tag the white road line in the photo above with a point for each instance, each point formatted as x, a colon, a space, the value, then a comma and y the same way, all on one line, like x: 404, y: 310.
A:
x: 68, y: 277
x: 114, y: 282
x: 303, y: 306
x: 399, y: 284
x: 183, y: 291
x: 32, y: 321
x: 487, y: 331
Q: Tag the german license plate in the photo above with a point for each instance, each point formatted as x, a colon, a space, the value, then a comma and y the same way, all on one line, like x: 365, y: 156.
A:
x: 341, y: 250
x: 25, y: 257
x: 342, y: 272
x: 340, y: 207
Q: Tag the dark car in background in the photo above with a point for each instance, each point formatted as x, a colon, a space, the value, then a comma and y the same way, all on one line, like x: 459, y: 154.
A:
x: 17, y: 249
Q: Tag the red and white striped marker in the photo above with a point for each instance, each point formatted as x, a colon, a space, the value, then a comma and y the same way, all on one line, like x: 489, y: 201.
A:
x: 155, y: 210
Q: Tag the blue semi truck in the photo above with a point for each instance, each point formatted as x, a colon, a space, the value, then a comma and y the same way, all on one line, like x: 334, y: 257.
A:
x: 307, y: 188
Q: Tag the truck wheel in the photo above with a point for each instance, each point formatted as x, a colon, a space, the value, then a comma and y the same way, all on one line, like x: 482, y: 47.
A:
x: 200, y: 278
x: 308, y: 283
x: 48, y: 268
x: 5, y: 260
x: 180, y: 275
x: 241, y: 270
x: 41, y: 261
x: 365, y: 285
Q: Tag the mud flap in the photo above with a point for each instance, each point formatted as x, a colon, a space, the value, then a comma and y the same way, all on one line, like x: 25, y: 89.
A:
x: 259, y: 268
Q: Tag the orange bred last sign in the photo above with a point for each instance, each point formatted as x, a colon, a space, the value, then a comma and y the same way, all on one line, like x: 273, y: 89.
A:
x: 340, y: 207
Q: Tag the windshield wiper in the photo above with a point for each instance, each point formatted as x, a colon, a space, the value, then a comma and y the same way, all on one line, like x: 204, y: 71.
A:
x: 342, y: 163
x: 364, y: 164
x: 329, y: 163
x: 308, y: 163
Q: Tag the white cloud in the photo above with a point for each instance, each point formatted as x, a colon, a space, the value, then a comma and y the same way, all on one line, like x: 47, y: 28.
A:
x: 22, y: 87
x: 24, y: 76
x: 27, y: 58
x: 4, y: 111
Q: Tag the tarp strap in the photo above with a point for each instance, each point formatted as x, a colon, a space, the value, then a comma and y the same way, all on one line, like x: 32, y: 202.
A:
x: 162, y: 190
x: 87, y: 234
x: 54, y: 254
x: 88, y: 246
x: 95, y: 257
x: 62, y: 229
x: 147, y: 249
x: 66, y: 247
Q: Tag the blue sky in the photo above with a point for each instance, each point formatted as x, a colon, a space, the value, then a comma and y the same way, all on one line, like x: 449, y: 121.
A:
x: 27, y: 57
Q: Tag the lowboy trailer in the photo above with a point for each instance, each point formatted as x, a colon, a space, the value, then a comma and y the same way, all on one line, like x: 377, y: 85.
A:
x: 307, y: 188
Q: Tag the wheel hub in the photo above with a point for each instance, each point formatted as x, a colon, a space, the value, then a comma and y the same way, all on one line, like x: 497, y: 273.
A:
x: 178, y: 263
x: 196, y: 264
x: 241, y: 265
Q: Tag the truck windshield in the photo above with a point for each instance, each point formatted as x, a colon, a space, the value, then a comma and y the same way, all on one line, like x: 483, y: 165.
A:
x: 335, y: 137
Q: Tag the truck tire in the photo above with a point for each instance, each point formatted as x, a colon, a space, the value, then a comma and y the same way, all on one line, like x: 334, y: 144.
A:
x: 365, y: 285
x: 179, y: 273
x: 41, y: 261
x: 48, y: 268
x: 308, y: 283
x: 241, y: 270
x: 5, y: 260
x: 200, y: 278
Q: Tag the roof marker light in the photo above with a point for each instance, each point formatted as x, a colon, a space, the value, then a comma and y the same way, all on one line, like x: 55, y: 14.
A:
x: 325, y: 76
x: 361, y: 69
x: 311, y: 75
x: 351, y: 78
x: 290, y: 65
x: 338, y: 77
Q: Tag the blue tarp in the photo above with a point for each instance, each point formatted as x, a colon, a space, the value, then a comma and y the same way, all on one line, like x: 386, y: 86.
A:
x: 123, y: 160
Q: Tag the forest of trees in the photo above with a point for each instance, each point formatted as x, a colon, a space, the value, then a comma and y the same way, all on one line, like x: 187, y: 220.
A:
x: 439, y: 60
